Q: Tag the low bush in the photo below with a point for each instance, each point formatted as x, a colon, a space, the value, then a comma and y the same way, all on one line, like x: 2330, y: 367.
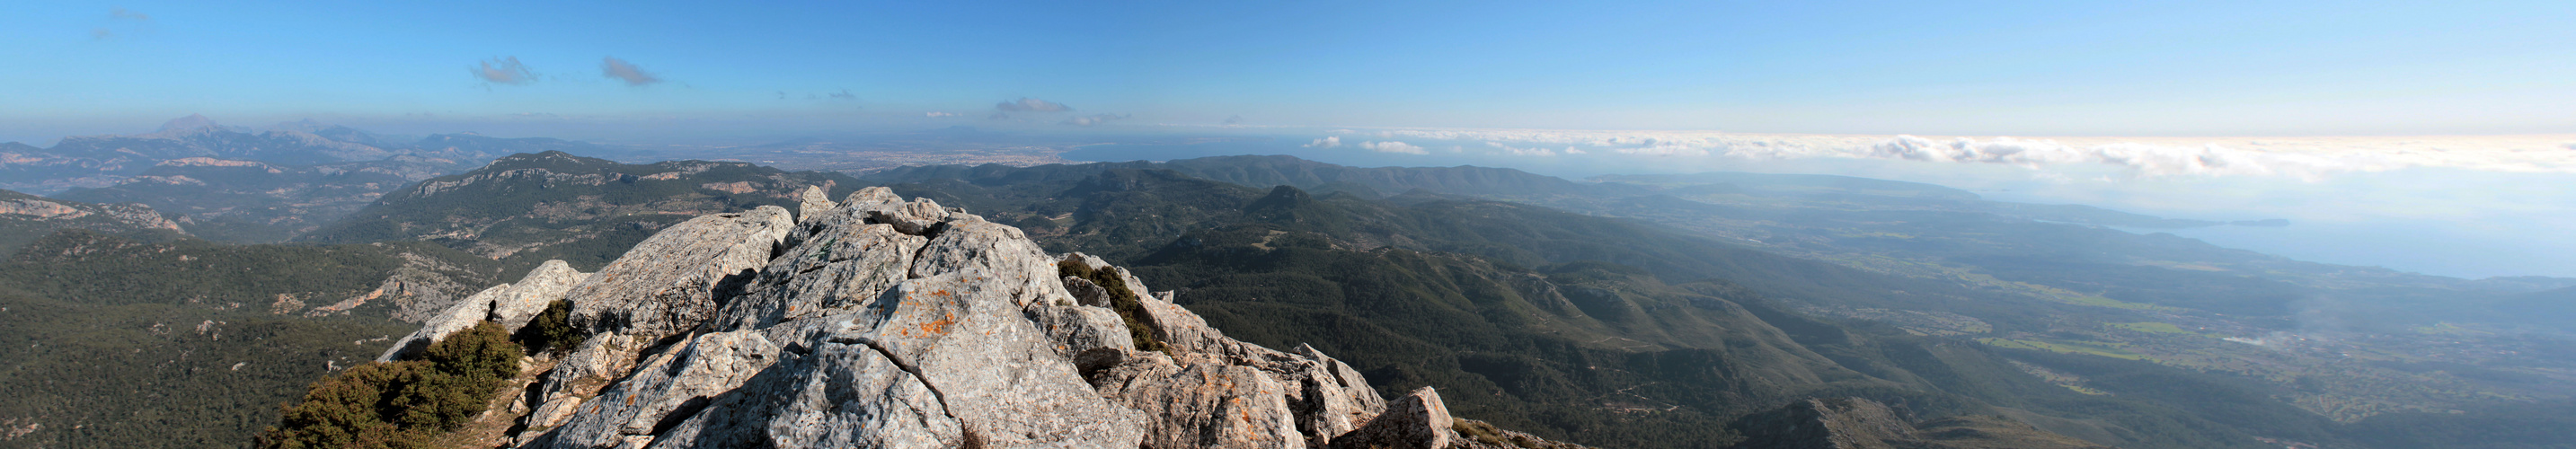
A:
x: 401, y: 404
x: 551, y: 330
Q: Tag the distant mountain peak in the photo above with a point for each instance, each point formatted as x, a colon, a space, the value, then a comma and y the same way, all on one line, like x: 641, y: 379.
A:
x: 190, y: 123
x: 1283, y: 197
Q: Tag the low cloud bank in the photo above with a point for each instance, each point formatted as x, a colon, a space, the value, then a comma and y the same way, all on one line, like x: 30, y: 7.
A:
x: 2307, y: 158
x: 1393, y: 147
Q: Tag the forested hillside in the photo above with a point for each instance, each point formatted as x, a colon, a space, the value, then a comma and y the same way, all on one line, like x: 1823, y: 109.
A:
x: 115, y: 342
x: 528, y: 208
x: 25, y: 218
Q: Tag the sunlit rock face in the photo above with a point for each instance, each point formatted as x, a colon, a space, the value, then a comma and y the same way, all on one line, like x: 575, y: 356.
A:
x: 880, y: 322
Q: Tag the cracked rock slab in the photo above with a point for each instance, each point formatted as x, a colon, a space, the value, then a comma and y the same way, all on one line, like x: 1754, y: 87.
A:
x: 834, y: 395
x: 669, y: 388
x: 836, y: 270
x: 964, y: 336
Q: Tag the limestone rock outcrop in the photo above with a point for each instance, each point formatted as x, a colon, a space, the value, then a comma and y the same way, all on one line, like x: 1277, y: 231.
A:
x: 510, y: 304
x: 542, y: 286
x: 669, y: 283
x: 459, y: 317
x: 879, y: 322
x: 1416, y: 421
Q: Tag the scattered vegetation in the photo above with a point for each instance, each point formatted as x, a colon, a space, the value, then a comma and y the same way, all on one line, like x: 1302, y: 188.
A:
x: 401, y: 404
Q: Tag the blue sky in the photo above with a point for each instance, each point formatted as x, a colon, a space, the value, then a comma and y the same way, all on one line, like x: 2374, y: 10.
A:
x: 1987, y: 68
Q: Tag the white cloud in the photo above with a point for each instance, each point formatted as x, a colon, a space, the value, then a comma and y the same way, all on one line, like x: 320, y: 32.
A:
x: 122, y: 13
x: 628, y: 72
x: 1516, y: 151
x: 1572, y: 150
x: 1327, y: 142
x: 1662, y: 151
x: 1391, y: 147
x: 504, y: 71
x: 2151, y: 160
x: 940, y: 114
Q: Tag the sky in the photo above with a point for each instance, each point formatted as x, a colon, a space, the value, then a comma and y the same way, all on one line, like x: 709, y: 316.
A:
x: 2044, y: 68
x: 2427, y: 136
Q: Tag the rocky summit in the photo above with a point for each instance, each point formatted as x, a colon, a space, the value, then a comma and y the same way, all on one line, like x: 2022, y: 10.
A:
x: 879, y: 322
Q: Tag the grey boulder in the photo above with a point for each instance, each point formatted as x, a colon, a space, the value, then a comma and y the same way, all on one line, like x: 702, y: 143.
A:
x: 542, y: 286
x: 670, y: 282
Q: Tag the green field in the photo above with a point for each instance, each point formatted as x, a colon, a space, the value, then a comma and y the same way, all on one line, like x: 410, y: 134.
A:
x: 2112, y: 350
x: 2155, y: 327
x: 2099, y: 301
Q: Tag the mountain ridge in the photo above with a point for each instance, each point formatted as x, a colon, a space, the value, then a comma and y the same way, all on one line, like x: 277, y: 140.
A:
x: 530, y: 207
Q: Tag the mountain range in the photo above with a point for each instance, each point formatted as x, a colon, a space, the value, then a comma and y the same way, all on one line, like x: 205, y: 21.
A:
x: 238, y: 185
x: 1701, y: 311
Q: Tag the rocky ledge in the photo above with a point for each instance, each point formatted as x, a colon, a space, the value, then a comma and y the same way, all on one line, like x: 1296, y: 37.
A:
x: 880, y: 322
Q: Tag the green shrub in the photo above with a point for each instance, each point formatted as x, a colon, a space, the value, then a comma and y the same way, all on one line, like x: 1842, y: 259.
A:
x: 483, y: 352
x: 552, y: 330
x: 401, y: 404
x: 349, y: 409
